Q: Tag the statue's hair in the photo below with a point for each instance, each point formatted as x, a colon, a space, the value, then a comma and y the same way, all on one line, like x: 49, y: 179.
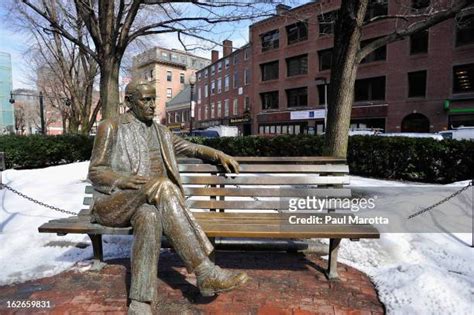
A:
x: 134, y: 85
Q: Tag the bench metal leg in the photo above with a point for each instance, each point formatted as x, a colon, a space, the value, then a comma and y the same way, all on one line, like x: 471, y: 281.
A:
x: 332, y: 263
x: 98, y: 261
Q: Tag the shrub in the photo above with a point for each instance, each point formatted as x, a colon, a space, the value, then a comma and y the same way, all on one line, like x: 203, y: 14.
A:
x: 415, y: 159
x: 37, y: 151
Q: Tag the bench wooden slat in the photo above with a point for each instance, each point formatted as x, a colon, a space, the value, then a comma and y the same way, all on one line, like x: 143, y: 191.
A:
x: 224, y: 225
x: 265, y: 180
x: 290, y: 160
x: 268, y: 192
x: 267, y: 168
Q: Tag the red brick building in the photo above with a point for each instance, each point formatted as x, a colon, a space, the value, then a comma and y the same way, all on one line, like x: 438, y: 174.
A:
x: 424, y: 83
x: 224, y: 90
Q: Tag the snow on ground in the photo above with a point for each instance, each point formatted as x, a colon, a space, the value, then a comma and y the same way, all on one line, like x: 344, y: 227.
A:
x: 414, y: 273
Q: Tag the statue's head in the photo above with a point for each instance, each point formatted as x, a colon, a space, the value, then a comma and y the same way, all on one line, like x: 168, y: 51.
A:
x: 140, y: 98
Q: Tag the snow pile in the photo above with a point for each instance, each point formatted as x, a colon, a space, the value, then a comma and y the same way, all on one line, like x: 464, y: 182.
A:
x: 414, y: 273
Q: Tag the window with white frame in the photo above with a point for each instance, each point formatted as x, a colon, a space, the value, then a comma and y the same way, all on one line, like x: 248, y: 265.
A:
x: 226, y: 108
x: 219, y: 85
x: 213, y: 87
x: 199, y: 113
x: 219, y: 66
x: 206, y: 112
x: 235, y: 107
x: 235, y: 82
x: 219, y: 109
x: 206, y: 90
x: 212, y: 110
x: 247, y: 76
x: 227, y: 63
x: 213, y: 69
x: 226, y: 83
x: 169, y: 92
x: 169, y: 76
x: 199, y: 95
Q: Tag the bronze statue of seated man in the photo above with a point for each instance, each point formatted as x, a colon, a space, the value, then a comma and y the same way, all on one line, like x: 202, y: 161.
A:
x: 135, y: 176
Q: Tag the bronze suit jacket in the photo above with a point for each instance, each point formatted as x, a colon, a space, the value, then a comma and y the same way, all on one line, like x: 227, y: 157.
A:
x: 120, y: 149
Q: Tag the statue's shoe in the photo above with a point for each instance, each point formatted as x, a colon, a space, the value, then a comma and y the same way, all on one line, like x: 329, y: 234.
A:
x: 218, y: 280
x: 139, y: 308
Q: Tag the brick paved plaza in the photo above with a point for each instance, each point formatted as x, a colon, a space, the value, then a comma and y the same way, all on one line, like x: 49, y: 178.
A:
x: 280, y: 283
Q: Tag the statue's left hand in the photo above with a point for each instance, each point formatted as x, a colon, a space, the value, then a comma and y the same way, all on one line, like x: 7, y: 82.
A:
x: 228, y: 162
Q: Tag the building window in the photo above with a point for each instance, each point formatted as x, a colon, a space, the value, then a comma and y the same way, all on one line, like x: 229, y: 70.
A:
x: 419, y: 43
x: 235, y: 107
x: 169, y: 118
x: 199, y: 95
x: 247, y: 76
x: 326, y: 22
x: 463, y: 78
x: 219, y: 85
x: 199, y: 113
x: 169, y: 92
x: 297, y: 97
x: 376, y: 8
x: 417, y: 84
x: 206, y: 90
x: 325, y: 59
x: 213, y: 69
x: 236, y: 58
x: 206, y: 73
x: 227, y: 63
x: 181, y: 78
x: 420, y: 4
x: 226, y: 83
x: 199, y: 76
x: 169, y: 76
x: 213, y: 87
x: 371, y: 89
x: 212, y: 110
x: 269, y: 100
x: 269, y: 70
x: 206, y: 112
x: 246, y: 53
x: 465, y: 31
x: 219, y: 109
x: 235, y: 82
x: 151, y: 74
x: 322, y: 89
x: 219, y: 66
x: 378, y: 54
x: 297, y: 65
x: 226, y: 108
x: 297, y: 32
x: 270, y: 40
x: 247, y: 103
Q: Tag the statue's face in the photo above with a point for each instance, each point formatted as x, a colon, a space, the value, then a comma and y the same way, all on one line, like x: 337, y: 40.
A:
x: 142, y: 103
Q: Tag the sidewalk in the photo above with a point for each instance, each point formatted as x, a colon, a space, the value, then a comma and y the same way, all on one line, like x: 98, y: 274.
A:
x: 280, y: 283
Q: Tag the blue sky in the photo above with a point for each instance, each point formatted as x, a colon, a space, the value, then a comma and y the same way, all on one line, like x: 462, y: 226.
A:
x: 16, y: 43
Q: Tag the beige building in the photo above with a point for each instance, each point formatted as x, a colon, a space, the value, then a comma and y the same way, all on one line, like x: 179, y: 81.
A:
x: 169, y: 70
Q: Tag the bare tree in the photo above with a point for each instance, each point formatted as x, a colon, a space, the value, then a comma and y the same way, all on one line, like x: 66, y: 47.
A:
x: 113, y: 24
x: 348, y: 53
x: 63, y: 72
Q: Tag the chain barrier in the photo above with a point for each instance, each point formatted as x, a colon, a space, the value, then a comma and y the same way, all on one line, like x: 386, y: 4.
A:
x: 36, y: 201
x: 441, y: 201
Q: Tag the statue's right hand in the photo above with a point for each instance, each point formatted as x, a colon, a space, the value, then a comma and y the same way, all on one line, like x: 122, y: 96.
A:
x: 131, y: 182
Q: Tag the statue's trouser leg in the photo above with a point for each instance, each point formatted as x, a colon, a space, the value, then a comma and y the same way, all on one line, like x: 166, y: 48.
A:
x: 147, y: 229
x: 177, y: 227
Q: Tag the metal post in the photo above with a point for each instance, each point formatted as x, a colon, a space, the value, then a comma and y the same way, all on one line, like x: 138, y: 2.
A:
x: 191, y: 110
x: 325, y: 104
x: 43, y: 130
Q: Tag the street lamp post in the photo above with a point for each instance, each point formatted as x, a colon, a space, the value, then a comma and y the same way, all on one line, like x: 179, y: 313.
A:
x: 192, y: 82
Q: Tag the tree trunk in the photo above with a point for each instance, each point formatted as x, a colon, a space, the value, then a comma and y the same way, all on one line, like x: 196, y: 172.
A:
x: 109, y: 87
x: 343, y: 74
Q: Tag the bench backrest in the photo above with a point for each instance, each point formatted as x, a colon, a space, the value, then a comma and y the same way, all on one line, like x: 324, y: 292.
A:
x: 263, y: 182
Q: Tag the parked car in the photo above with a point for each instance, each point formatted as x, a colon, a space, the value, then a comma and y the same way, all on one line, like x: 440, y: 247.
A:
x: 461, y: 133
x: 412, y: 135
x: 204, y: 133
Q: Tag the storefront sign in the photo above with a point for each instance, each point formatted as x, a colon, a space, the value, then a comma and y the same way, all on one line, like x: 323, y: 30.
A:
x: 240, y: 120
x: 308, y: 114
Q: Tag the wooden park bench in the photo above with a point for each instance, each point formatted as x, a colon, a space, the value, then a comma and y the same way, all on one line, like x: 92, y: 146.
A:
x: 264, y: 183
